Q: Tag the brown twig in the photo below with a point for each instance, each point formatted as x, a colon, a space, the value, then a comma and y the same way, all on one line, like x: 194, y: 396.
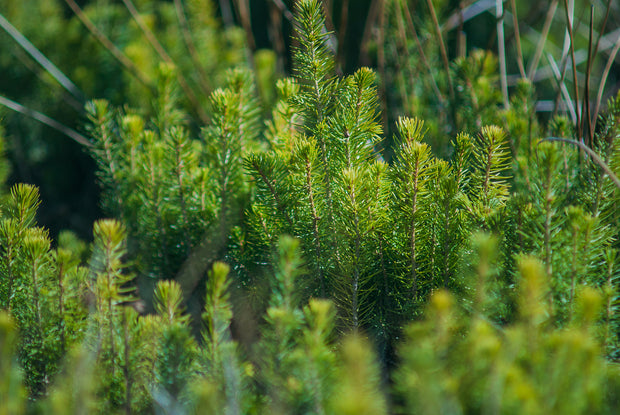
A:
x: 562, y: 90
x: 442, y: 47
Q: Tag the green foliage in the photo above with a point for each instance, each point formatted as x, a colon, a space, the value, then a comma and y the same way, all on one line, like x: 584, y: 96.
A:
x: 454, y: 363
x: 495, y: 256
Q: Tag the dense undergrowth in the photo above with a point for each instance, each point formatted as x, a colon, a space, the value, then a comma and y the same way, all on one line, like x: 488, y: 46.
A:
x: 275, y: 262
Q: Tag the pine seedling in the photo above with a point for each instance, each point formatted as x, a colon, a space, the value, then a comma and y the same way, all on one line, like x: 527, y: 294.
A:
x: 410, y: 180
x: 296, y: 358
x: 107, y: 154
x: 477, y: 94
x: 13, y: 394
x: 423, y: 378
x: 231, y: 134
x: 489, y: 183
x: 283, y: 125
x: 611, y: 306
x: 359, y: 388
x: 446, y: 228
x: 223, y: 380
x: 315, y: 356
x: 111, y: 323
x: 31, y: 297
x: 283, y: 321
x: 176, y: 349
x: 37, y: 319
x: 73, y: 392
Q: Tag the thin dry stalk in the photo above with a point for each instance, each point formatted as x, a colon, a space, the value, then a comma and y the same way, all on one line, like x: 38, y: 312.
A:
x: 191, y: 47
x: 603, y: 26
x: 442, y: 46
x: 562, y: 89
x: 541, y: 42
x: 21, y: 56
x: 42, y: 60
x: 382, y: 64
x: 501, y: 46
x: 414, y: 33
x: 227, y: 15
x: 50, y: 122
x: 107, y: 44
x: 515, y: 23
x: 370, y: 22
x: 605, y: 74
x: 569, y: 22
x: 243, y: 8
x: 595, y: 157
x: 586, y: 97
x: 342, y: 33
x: 285, y: 11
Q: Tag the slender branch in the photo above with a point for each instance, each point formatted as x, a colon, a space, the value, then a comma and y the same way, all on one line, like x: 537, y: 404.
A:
x: 42, y: 60
x: 603, y: 26
x: 592, y: 154
x: 69, y: 132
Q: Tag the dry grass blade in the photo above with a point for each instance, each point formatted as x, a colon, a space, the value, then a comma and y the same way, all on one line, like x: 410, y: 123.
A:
x: 442, y: 46
x: 543, y: 39
x: 562, y: 89
x: 605, y: 74
x: 586, y: 97
x: 569, y: 23
x: 50, y: 122
x: 517, y: 35
x: 42, y: 60
x: 499, y: 15
x: 592, y: 154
